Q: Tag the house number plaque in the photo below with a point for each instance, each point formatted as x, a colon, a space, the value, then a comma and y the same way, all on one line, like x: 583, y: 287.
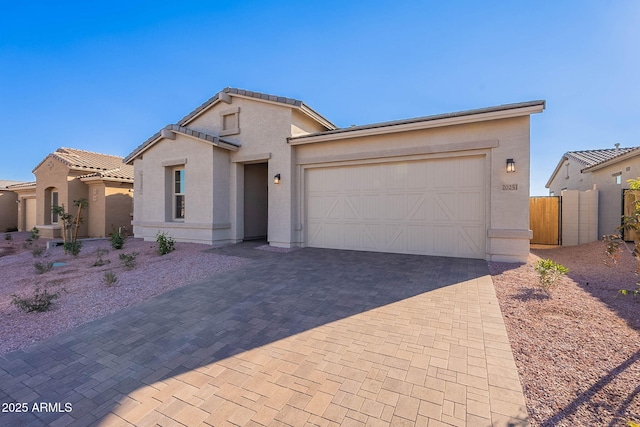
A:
x: 508, y: 187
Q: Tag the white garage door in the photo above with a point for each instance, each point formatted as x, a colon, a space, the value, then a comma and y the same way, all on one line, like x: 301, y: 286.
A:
x: 30, y: 214
x: 429, y: 207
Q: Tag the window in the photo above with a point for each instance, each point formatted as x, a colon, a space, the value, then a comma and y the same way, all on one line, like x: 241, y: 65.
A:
x: 54, y: 202
x: 618, y: 179
x: 178, y: 193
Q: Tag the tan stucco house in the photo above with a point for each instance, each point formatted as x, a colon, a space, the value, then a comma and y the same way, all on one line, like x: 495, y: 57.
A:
x: 606, y: 171
x: 69, y: 174
x: 247, y: 165
x: 8, y: 206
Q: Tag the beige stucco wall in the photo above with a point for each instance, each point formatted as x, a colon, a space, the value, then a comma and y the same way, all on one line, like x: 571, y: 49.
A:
x: 26, y: 208
x: 8, y: 210
x: 110, y: 207
x: 610, y: 193
x: 569, y: 177
x: 153, y: 193
x: 215, y: 176
x: 507, y: 211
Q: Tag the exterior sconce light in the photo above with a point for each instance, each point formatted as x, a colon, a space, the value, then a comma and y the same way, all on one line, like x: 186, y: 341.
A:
x: 511, y: 165
x: 276, y: 179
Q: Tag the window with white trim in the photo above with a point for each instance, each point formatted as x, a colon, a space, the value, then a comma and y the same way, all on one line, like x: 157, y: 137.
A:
x: 178, y: 193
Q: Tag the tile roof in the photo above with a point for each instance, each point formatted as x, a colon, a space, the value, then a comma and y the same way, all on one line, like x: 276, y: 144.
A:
x: 217, y: 97
x: 181, y: 129
x: 241, y: 92
x: 4, y: 183
x: 593, y: 157
x: 22, y: 185
x: 80, y: 160
x: 426, y: 118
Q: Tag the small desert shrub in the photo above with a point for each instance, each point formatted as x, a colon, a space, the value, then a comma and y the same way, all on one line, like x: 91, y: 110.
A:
x: 109, y: 278
x: 117, y: 239
x: 129, y: 260
x: 43, y: 267
x: 72, y: 248
x: 549, y: 272
x: 8, y: 236
x: 165, y: 242
x: 100, y: 252
x: 35, y: 233
x: 37, y: 251
x: 39, y: 302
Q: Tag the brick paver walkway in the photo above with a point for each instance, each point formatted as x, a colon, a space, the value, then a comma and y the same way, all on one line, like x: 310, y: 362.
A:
x: 310, y: 337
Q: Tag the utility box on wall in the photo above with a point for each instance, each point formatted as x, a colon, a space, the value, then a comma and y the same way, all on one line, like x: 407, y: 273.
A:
x: 579, y: 217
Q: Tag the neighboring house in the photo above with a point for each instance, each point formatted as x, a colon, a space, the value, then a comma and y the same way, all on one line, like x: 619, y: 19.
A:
x: 103, y: 180
x: 26, y: 206
x: 247, y: 165
x: 608, y: 170
x: 8, y: 206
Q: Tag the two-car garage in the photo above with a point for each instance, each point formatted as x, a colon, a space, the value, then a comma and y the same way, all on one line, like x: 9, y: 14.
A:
x: 426, y: 206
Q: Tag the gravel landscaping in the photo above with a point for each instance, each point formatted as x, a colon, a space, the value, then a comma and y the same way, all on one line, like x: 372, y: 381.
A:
x: 577, y: 349
x: 84, y: 295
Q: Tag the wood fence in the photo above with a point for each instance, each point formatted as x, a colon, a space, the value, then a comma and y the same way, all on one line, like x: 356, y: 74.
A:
x: 544, y: 220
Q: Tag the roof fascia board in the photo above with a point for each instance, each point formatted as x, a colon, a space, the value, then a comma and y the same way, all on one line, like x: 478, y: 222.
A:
x: 556, y: 170
x: 218, y: 143
x: 105, y: 179
x: 419, y: 125
x: 131, y: 157
x: 612, y: 161
x: 317, y: 116
x: 303, y: 108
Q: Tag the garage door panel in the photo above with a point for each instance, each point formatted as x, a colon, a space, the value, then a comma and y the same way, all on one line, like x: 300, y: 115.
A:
x: 419, y: 239
x: 467, y: 200
x: 432, y: 207
x: 418, y: 211
x: 468, y: 238
x: 395, y: 207
x: 445, y: 206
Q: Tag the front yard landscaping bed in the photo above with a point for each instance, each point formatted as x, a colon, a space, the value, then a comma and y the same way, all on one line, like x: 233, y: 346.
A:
x: 578, y: 348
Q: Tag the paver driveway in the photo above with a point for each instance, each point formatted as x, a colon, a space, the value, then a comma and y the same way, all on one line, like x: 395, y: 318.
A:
x: 310, y: 337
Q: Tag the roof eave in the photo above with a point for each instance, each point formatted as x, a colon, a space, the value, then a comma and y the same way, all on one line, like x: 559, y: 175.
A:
x: 106, y: 179
x: 304, y: 108
x: 556, y: 170
x: 464, y: 117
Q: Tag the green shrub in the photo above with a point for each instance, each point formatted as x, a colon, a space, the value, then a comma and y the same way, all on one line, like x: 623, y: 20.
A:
x: 35, y: 233
x: 39, y: 302
x: 549, y: 273
x: 129, y: 260
x: 37, y: 251
x: 109, y: 278
x: 8, y: 236
x: 165, y: 242
x: 117, y: 239
x: 100, y: 252
x: 43, y: 267
x: 72, y: 247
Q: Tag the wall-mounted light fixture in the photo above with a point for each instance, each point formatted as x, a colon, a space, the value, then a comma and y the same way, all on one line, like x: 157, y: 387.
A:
x: 511, y: 165
x: 276, y: 179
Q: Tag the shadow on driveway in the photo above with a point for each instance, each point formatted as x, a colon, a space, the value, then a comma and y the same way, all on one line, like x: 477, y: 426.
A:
x: 273, y: 297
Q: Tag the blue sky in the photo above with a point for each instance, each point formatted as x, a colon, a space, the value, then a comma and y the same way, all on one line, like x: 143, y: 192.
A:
x: 105, y: 76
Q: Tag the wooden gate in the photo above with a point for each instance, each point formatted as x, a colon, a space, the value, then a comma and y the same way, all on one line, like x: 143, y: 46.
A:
x: 544, y: 220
